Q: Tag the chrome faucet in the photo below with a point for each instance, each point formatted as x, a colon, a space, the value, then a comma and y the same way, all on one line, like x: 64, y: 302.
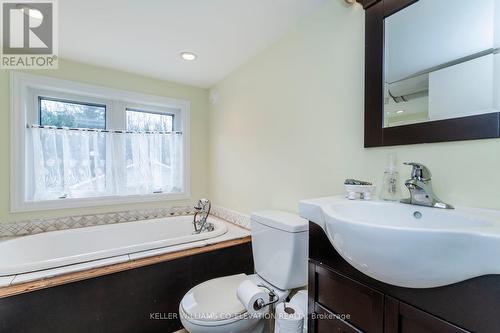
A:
x: 420, y: 188
x: 202, y: 210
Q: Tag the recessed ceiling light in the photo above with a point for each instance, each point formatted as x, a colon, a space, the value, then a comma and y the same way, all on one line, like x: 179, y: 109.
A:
x: 189, y: 56
x: 400, y: 111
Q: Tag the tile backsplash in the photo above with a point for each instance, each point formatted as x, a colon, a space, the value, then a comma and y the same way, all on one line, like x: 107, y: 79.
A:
x: 35, y: 226
x: 240, y: 219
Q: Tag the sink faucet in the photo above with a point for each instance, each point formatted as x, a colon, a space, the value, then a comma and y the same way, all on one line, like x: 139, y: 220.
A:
x: 420, y: 188
x: 202, y: 210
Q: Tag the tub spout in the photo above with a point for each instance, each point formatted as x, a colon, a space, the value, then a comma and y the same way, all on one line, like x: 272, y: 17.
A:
x: 202, y: 210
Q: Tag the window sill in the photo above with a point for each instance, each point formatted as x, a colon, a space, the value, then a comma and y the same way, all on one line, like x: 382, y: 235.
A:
x: 29, y: 206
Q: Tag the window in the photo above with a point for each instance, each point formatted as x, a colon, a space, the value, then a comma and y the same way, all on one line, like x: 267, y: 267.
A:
x: 78, y: 145
x: 139, y: 120
x: 60, y: 113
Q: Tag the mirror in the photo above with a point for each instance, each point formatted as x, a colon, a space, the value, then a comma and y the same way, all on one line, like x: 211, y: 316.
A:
x: 441, y: 61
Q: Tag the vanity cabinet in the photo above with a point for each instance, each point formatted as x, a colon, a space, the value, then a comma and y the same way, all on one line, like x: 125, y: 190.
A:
x: 344, y: 300
x: 340, y: 304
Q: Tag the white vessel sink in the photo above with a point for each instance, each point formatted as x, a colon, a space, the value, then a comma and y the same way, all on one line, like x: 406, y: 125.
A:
x: 407, y: 245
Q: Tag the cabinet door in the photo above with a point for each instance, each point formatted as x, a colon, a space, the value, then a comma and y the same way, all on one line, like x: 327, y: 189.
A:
x: 404, y: 318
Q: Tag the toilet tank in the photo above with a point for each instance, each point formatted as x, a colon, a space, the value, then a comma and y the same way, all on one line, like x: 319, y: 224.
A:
x: 280, y: 248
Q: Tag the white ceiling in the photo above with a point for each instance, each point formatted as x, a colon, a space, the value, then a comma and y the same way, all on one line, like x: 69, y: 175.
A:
x: 146, y: 37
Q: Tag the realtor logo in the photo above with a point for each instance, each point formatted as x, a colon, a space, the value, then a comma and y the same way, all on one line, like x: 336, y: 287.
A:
x: 29, y: 39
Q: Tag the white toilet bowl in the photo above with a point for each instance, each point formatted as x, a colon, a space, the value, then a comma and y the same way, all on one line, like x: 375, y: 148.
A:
x: 235, y: 325
x: 213, y: 307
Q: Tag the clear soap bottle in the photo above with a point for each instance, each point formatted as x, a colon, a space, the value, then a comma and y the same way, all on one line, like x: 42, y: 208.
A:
x: 390, y: 186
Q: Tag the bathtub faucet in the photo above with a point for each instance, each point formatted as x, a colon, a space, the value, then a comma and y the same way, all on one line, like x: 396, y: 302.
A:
x: 202, y: 210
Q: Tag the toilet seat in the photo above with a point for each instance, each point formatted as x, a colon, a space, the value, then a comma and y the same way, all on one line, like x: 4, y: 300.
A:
x: 214, y: 302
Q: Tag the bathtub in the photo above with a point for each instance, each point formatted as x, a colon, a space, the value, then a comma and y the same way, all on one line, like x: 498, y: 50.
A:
x: 55, y: 249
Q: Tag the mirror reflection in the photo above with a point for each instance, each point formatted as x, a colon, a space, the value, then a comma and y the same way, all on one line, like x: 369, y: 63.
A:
x: 441, y: 61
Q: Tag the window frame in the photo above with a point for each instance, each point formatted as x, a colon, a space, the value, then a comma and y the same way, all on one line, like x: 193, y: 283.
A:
x: 25, y: 89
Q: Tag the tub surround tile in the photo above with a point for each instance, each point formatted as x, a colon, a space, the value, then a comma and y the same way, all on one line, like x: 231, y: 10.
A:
x: 6, y: 280
x: 36, y: 226
x: 240, y: 219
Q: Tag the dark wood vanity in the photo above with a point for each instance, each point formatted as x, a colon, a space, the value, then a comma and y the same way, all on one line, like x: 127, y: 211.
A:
x: 342, y: 299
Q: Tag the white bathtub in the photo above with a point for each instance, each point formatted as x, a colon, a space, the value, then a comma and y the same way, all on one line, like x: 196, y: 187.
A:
x: 75, y: 246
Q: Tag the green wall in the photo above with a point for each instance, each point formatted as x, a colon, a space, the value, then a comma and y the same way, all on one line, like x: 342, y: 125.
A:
x: 116, y: 79
x: 288, y: 125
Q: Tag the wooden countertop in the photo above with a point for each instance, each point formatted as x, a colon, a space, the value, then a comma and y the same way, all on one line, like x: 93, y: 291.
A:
x: 95, y: 272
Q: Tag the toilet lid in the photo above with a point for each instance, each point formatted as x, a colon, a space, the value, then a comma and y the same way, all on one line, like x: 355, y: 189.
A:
x: 214, y: 300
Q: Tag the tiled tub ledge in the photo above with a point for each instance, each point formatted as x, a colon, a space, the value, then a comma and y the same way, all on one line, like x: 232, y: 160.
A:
x: 240, y: 219
x: 36, y: 226
x: 10, y: 230
x: 21, y: 283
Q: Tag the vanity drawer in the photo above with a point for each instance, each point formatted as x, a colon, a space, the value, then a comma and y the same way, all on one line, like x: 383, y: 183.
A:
x: 361, y: 306
x: 327, y: 322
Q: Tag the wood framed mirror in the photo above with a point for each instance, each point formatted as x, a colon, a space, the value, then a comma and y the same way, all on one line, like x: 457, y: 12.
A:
x: 432, y: 71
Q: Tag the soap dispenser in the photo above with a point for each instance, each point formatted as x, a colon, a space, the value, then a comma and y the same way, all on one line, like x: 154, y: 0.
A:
x: 390, y: 186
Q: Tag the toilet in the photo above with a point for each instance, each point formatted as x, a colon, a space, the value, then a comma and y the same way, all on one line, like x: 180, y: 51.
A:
x: 279, y: 245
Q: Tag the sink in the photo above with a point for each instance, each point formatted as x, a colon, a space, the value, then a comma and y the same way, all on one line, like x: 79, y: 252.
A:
x: 410, y: 246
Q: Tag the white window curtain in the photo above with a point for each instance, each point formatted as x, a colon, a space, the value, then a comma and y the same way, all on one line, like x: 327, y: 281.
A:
x: 65, y: 163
